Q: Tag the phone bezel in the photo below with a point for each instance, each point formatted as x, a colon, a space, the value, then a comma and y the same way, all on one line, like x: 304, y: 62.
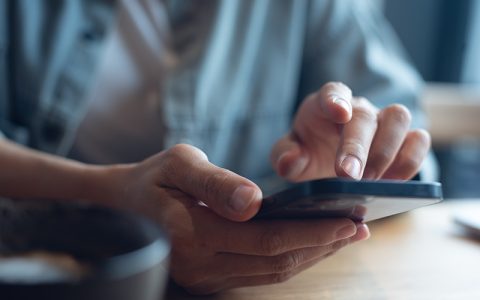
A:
x: 340, y: 197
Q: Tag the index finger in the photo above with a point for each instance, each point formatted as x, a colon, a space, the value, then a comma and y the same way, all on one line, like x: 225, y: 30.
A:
x: 335, y: 102
x: 274, y: 237
x: 356, y: 139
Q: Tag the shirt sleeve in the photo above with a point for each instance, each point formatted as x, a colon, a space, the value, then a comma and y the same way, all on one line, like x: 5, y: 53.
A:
x: 350, y: 41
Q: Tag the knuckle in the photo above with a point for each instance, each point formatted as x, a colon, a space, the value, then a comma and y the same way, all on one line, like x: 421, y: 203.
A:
x: 177, y: 152
x: 271, y: 242
x: 362, y: 101
x: 400, y: 113
x: 188, y: 279
x: 334, y: 247
x: 287, y: 262
x: 215, y: 182
x: 182, y: 148
x: 281, y: 277
x: 324, y: 240
x: 365, y: 111
x: 182, y: 152
x: 356, y: 148
x: 421, y: 136
x: 409, y: 163
x: 334, y: 87
x: 381, y: 157
x: 170, y: 164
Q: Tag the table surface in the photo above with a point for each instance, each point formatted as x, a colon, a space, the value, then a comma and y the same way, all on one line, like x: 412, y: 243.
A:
x: 416, y: 255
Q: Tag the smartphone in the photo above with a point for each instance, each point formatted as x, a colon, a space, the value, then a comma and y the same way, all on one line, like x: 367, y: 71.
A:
x: 361, y: 201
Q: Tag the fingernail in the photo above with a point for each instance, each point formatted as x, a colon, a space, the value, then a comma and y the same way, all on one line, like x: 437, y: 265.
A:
x: 352, y: 166
x: 241, y: 198
x: 342, y: 102
x: 346, y: 232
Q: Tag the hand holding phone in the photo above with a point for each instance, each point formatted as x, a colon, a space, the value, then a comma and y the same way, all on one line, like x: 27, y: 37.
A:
x: 361, y: 201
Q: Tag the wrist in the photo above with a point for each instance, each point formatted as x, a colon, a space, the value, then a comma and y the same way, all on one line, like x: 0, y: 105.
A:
x: 103, y: 184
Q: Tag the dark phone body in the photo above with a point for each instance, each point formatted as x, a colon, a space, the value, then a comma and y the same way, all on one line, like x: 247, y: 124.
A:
x: 361, y: 201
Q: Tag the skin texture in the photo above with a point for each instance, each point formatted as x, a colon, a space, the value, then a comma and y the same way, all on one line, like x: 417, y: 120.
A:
x: 206, y: 209
x: 333, y: 129
x: 211, y: 252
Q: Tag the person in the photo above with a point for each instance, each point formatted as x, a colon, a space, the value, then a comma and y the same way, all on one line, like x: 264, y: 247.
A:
x: 184, y: 111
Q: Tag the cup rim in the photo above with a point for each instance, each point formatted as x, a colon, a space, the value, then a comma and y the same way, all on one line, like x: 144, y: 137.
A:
x: 154, y: 251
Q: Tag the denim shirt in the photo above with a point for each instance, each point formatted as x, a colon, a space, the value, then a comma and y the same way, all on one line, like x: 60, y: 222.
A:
x: 243, y: 67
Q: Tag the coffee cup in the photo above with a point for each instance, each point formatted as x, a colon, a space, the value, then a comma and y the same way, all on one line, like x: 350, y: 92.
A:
x: 73, y: 251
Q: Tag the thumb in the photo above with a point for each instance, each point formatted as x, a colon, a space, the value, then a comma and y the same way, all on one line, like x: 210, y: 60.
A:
x: 226, y: 193
x: 288, y: 159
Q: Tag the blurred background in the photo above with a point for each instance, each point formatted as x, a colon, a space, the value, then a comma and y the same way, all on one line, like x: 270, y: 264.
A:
x: 442, y: 38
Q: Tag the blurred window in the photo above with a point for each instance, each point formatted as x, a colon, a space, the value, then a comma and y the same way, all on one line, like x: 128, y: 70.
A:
x: 442, y: 38
x: 471, y: 64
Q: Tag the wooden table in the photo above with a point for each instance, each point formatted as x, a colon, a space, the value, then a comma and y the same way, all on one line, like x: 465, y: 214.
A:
x: 417, y: 255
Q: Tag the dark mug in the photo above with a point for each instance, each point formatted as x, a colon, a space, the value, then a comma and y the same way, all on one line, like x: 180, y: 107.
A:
x: 75, y: 251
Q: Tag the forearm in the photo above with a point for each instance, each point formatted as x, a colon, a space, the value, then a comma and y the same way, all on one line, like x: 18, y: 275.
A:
x: 26, y: 173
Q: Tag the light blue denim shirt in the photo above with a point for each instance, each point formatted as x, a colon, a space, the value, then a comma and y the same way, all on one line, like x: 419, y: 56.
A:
x: 243, y: 68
